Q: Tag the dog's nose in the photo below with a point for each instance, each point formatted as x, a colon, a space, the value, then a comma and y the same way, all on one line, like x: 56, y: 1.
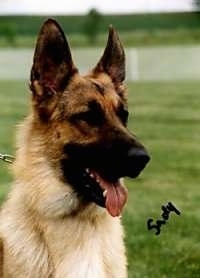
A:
x: 139, y: 155
x: 138, y: 158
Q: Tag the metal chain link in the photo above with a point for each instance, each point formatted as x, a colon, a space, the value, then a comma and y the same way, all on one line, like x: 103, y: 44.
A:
x: 6, y: 158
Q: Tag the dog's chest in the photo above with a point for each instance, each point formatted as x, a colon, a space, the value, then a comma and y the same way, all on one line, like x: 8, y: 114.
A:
x: 86, y: 260
x: 65, y: 248
x: 85, y: 250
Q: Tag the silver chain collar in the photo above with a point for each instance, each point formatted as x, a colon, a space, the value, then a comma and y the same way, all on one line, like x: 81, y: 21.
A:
x: 6, y: 158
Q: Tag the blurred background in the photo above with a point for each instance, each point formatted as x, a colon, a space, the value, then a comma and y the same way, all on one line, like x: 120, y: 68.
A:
x: 162, y: 43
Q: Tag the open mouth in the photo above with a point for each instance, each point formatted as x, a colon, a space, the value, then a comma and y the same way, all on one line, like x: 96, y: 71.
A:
x: 96, y: 187
x: 96, y: 175
x: 109, y: 194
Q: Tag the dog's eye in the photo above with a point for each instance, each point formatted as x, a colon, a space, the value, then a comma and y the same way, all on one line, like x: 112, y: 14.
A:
x: 90, y: 117
x: 123, y: 114
x: 94, y: 116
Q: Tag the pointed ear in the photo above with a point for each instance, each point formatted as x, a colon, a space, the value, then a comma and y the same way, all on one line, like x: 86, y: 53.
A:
x: 52, y: 63
x: 113, y: 60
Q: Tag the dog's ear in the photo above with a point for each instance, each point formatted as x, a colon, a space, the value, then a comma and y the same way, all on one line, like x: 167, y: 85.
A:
x: 52, y: 63
x: 113, y: 60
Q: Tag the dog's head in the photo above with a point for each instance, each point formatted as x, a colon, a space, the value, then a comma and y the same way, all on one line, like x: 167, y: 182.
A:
x: 83, y: 119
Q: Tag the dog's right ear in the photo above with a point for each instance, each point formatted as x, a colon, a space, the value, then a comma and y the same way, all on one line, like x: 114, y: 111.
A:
x: 52, y: 64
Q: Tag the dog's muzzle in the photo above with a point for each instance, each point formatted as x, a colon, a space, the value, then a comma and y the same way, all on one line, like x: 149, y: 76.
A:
x: 95, y: 170
x: 117, y: 160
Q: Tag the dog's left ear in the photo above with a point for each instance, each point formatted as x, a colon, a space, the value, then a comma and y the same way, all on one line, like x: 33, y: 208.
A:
x: 52, y: 63
x: 113, y: 60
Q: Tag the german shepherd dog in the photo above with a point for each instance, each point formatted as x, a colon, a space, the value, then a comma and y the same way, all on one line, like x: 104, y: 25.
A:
x: 61, y: 218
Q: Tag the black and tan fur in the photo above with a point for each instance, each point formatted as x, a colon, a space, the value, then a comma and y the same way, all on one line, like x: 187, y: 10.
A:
x: 54, y: 222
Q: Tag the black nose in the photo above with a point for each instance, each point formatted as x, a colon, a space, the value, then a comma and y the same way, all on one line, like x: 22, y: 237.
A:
x: 139, y: 155
x: 137, y: 160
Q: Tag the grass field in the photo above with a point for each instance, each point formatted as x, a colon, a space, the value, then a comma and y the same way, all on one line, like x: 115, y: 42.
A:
x: 144, y: 38
x: 166, y: 117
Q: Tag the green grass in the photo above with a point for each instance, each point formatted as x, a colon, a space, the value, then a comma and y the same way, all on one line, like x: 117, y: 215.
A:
x: 13, y: 104
x: 165, y: 116
x: 134, y: 38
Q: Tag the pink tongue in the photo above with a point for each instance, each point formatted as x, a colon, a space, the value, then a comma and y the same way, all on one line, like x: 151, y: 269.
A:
x: 116, y: 198
x: 116, y: 195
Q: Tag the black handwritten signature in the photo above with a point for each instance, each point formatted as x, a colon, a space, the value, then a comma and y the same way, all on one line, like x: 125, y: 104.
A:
x: 165, y: 216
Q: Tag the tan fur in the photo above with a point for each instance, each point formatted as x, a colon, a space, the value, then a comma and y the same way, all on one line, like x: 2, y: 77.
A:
x: 45, y: 230
x: 41, y: 235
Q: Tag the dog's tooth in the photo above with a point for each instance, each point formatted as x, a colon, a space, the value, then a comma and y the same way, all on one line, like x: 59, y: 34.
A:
x: 91, y: 175
x: 105, y: 193
x: 97, y: 180
x: 87, y: 170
